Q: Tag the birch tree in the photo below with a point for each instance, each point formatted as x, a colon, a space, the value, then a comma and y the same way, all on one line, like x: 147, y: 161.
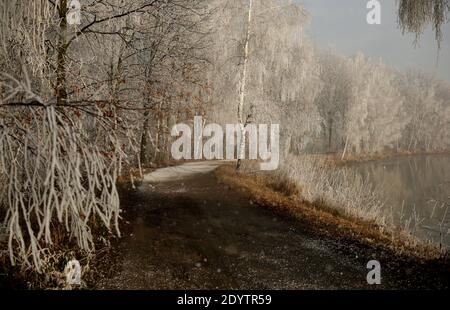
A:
x: 242, y: 89
x: 271, y: 67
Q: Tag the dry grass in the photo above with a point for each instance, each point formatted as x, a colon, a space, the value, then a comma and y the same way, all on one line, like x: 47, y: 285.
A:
x: 283, y: 199
x: 339, y: 188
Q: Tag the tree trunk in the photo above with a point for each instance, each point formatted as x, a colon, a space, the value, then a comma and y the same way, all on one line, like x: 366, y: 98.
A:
x: 241, y: 150
x: 144, y: 141
x: 167, y: 139
x: 61, y: 92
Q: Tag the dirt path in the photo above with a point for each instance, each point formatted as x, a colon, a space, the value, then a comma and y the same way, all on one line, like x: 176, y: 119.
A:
x: 193, y: 233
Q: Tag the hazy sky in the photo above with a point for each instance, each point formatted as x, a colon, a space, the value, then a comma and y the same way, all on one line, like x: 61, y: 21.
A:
x: 342, y: 25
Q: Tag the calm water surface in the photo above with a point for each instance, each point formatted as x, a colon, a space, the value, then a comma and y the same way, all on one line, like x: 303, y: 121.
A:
x: 417, y: 193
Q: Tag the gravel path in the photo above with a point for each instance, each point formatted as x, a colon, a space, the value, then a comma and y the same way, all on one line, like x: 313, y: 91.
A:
x: 191, y: 232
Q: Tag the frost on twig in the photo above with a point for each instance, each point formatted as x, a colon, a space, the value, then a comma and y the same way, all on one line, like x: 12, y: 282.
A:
x: 52, y: 174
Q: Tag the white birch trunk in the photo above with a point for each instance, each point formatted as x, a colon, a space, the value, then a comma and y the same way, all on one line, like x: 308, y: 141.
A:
x: 241, y: 150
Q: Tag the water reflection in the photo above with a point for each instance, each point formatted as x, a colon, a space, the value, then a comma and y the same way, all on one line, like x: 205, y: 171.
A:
x: 417, y: 192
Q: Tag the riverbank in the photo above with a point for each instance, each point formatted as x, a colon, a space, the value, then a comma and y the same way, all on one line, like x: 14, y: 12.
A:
x: 283, y: 196
x: 337, y: 159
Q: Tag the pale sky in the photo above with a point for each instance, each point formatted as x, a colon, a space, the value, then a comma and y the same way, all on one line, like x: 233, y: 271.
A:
x: 342, y: 26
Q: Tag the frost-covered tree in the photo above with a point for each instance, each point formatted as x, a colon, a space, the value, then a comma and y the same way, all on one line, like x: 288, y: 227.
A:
x: 281, y: 75
x: 427, y: 104
x: 285, y: 74
x: 375, y: 118
x: 70, y: 110
x: 333, y: 100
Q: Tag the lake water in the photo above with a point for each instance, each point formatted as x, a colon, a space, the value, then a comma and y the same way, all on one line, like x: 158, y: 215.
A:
x: 417, y: 193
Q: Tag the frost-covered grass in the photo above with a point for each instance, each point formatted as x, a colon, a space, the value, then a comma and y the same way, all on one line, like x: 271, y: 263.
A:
x: 336, y: 187
x: 343, y: 190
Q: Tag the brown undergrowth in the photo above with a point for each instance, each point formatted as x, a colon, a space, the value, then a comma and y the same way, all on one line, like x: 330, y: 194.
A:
x: 284, y: 197
x: 62, y: 250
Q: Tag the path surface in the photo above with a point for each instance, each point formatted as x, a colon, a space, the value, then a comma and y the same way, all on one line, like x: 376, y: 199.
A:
x: 189, y: 170
x: 192, y: 233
